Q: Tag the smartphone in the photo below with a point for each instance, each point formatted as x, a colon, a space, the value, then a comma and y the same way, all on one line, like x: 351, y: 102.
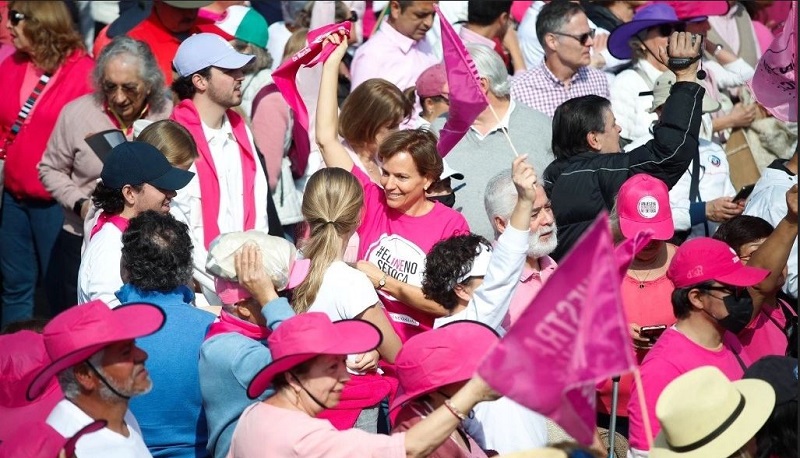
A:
x: 744, y: 193
x: 652, y: 332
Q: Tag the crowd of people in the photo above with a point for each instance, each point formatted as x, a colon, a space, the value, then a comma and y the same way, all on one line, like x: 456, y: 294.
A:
x: 190, y: 266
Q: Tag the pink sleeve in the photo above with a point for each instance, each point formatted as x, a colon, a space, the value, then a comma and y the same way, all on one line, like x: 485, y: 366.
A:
x: 330, y: 443
x: 655, y: 377
x: 270, y: 122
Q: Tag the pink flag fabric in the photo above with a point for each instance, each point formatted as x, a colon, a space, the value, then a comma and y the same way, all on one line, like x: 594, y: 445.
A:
x: 285, y: 75
x: 572, y: 335
x: 467, y: 100
x: 774, y: 85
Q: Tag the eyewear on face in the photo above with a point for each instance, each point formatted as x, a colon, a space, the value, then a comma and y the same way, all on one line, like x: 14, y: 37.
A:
x: 582, y: 39
x: 666, y: 30
x: 731, y: 290
x: 15, y: 16
x: 127, y: 89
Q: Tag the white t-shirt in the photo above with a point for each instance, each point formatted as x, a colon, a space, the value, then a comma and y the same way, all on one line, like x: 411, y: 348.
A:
x: 345, y: 293
x: 68, y: 419
x: 99, y: 274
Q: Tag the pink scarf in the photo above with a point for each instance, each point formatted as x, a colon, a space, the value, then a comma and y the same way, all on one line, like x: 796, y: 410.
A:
x: 360, y: 392
x: 105, y: 218
x: 186, y: 114
x: 229, y: 323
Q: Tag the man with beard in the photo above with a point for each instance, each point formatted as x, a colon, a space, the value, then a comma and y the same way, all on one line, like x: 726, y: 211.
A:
x: 230, y: 191
x: 93, y: 353
x: 499, y: 199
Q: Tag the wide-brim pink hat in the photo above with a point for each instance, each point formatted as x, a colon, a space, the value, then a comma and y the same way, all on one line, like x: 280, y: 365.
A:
x: 81, y: 331
x: 440, y: 357
x: 40, y: 440
x: 308, y: 335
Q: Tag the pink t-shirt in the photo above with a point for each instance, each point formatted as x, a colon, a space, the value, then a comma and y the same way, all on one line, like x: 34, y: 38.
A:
x: 397, y: 244
x: 672, y: 355
x: 268, y: 431
x: 764, y: 335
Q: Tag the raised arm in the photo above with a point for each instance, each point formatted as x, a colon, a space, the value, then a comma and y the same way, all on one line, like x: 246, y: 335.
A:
x: 333, y: 153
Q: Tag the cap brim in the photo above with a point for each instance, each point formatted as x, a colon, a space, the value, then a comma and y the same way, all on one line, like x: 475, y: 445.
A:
x: 233, y: 61
x: 744, y: 276
x: 135, y: 320
x: 618, y: 39
x: 662, y: 230
x: 173, y: 180
x: 187, y: 4
x: 36, y: 410
x: 72, y: 442
x: 759, y: 401
x: 355, y: 336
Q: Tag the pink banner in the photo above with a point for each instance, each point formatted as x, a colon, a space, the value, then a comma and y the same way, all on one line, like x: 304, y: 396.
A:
x: 285, y: 76
x: 774, y: 85
x: 467, y: 100
x: 572, y: 335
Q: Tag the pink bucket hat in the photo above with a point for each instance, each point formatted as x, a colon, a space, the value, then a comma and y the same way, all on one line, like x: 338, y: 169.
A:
x: 40, y: 440
x: 439, y: 357
x: 431, y: 81
x: 703, y: 259
x: 308, y: 335
x: 22, y: 356
x: 81, y: 331
x: 231, y: 292
x: 643, y: 203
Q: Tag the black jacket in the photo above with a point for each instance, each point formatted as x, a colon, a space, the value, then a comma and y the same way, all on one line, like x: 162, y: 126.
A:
x: 581, y: 186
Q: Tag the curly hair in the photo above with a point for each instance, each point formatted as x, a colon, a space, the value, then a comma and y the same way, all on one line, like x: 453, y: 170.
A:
x: 448, y: 260
x: 157, y: 252
x: 49, y: 28
x: 110, y: 200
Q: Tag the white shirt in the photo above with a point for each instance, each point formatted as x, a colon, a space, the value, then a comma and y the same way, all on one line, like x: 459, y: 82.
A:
x: 507, y: 427
x: 99, y: 274
x: 532, y: 51
x: 345, y: 293
x: 629, y: 108
x: 278, y: 36
x: 503, y: 122
x: 68, y: 419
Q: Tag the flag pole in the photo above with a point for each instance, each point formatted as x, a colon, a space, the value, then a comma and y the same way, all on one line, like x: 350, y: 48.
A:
x: 612, y: 425
x: 643, y: 406
x: 380, y: 19
x: 505, y: 131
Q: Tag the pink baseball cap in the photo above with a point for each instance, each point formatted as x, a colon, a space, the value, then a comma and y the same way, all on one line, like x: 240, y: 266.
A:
x: 81, y: 331
x: 439, y: 357
x: 431, y: 82
x: 704, y: 259
x: 308, y: 335
x: 231, y: 292
x: 40, y: 440
x: 643, y: 203
x: 22, y: 356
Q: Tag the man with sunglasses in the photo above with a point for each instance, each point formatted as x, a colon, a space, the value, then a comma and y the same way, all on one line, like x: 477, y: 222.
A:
x: 712, y: 304
x: 563, y: 30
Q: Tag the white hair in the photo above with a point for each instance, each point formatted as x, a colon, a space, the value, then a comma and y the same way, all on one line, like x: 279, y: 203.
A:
x: 69, y: 383
x: 490, y: 66
x: 500, y: 198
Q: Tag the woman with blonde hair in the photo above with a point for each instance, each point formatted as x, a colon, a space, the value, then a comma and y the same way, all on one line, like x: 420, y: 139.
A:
x: 332, y: 209
x: 173, y: 140
x: 49, y: 69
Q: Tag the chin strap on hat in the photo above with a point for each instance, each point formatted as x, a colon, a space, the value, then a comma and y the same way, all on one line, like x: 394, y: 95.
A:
x: 105, y: 382
x: 313, y: 398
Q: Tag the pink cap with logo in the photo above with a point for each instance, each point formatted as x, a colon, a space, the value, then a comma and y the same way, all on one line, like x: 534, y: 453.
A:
x: 643, y: 203
x: 705, y: 259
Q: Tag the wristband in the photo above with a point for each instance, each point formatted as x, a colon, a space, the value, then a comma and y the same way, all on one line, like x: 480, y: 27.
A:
x: 454, y: 410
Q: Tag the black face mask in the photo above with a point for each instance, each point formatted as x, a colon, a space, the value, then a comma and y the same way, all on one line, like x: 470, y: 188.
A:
x: 740, y: 312
x: 447, y: 199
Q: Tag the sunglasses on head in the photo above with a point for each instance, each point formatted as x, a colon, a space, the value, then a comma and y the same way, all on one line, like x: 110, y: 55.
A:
x: 15, y: 16
x: 582, y: 38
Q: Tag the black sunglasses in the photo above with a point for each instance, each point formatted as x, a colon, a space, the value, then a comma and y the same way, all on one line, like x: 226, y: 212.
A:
x: 738, y: 293
x: 666, y: 30
x: 582, y: 39
x: 15, y: 16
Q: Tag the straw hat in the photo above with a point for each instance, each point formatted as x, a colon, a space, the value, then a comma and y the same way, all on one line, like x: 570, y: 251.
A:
x: 703, y: 414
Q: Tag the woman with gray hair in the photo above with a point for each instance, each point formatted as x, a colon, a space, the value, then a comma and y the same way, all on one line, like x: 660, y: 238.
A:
x: 128, y: 85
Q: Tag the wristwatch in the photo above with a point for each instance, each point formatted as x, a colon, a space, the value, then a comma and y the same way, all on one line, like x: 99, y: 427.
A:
x: 382, y: 282
x: 717, y: 49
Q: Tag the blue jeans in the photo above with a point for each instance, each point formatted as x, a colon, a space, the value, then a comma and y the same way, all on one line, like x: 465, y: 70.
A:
x: 28, y: 231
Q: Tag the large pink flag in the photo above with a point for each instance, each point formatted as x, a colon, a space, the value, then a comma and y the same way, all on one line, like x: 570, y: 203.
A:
x: 467, y: 100
x: 775, y: 83
x: 285, y: 76
x: 572, y: 335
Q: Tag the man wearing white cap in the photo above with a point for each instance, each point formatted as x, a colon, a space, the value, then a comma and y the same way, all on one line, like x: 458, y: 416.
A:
x: 230, y: 181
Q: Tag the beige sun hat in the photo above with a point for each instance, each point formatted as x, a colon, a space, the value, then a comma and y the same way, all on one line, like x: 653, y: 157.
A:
x: 664, y: 84
x: 703, y: 414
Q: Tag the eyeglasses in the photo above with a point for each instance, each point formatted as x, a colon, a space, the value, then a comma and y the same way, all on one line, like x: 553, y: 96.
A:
x: 731, y: 290
x: 131, y: 90
x: 583, y: 38
x: 666, y: 30
x: 15, y: 16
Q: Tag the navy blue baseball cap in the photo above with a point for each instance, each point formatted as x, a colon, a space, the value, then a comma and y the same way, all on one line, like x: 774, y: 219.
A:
x: 136, y: 163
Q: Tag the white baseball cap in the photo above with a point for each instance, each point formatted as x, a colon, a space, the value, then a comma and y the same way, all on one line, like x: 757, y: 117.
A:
x: 204, y: 50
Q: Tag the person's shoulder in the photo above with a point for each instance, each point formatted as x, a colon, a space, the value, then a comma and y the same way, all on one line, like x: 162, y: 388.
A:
x: 520, y: 110
x: 80, y: 106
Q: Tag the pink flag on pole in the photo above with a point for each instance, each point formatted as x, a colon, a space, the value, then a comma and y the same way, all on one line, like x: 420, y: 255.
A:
x: 774, y: 85
x: 285, y: 76
x: 572, y: 335
x: 467, y: 100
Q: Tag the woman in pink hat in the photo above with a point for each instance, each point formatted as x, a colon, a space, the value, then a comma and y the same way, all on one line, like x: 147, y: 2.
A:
x: 308, y: 374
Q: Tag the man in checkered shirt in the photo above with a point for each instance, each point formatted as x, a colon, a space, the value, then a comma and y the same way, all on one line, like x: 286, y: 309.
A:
x: 563, y: 30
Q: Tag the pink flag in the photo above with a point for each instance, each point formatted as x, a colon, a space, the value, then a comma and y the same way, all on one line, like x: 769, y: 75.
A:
x: 467, y: 100
x: 285, y: 75
x: 775, y: 83
x: 572, y: 335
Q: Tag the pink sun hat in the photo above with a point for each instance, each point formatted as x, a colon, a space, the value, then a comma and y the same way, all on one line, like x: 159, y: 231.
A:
x: 40, y: 440
x: 643, y: 204
x: 704, y: 259
x: 22, y: 356
x: 439, y: 357
x: 308, y: 335
x: 81, y: 331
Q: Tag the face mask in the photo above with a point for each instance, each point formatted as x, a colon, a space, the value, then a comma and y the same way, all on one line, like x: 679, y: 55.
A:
x: 740, y: 312
x: 447, y: 199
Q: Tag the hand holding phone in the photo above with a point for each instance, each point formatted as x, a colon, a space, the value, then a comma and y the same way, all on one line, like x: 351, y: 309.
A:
x: 744, y: 193
x: 652, y: 332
